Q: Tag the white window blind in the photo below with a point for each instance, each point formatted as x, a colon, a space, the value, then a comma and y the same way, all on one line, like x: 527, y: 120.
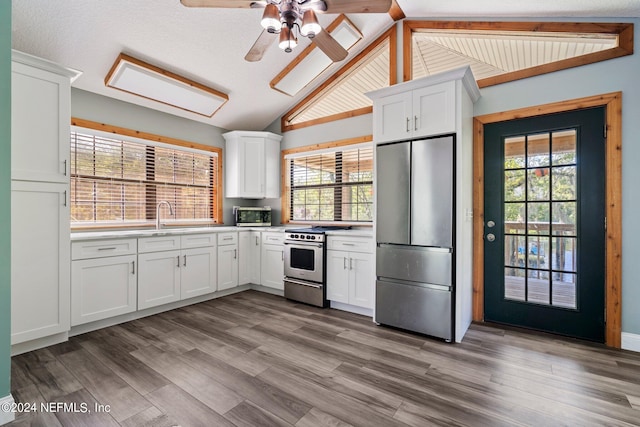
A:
x: 120, y: 181
x: 335, y: 185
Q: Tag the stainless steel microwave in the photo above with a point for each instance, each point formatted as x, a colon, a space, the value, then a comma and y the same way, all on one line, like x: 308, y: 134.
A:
x: 252, y: 216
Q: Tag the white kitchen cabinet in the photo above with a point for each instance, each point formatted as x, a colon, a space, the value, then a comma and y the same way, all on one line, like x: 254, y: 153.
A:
x: 198, y: 274
x: 252, y: 164
x: 227, y: 260
x: 40, y: 119
x: 158, y: 278
x: 415, y: 113
x: 40, y: 260
x: 104, y: 279
x: 103, y: 287
x: 248, y: 257
x: 350, y: 270
x: 272, y: 260
x: 255, y: 251
x: 40, y: 232
x: 187, y: 270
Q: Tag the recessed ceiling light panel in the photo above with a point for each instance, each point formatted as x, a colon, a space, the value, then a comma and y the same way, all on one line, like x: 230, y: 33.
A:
x: 148, y: 81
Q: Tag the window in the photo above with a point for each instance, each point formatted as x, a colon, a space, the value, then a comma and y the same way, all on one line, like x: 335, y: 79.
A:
x: 331, y: 184
x: 343, y: 94
x: 118, y: 180
x: 500, y: 52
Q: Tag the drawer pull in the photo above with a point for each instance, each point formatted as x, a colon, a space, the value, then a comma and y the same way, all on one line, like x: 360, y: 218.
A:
x: 107, y: 249
x: 344, y: 263
x: 178, y: 257
x: 348, y: 244
x: 133, y: 269
x: 228, y: 238
x: 184, y: 264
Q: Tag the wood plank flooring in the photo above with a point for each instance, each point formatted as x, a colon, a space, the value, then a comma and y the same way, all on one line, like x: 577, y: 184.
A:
x: 253, y: 359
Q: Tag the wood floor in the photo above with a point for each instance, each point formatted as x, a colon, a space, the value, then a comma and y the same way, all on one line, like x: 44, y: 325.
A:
x: 253, y: 359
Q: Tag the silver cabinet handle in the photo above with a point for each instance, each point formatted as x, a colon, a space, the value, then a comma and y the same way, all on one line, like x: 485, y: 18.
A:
x: 256, y: 240
x: 348, y: 244
x: 408, y: 124
x: 235, y: 253
x: 350, y: 263
x: 107, y: 249
x: 65, y: 198
x: 415, y: 122
x: 178, y: 261
x: 184, y: 261
x: 65, y: 167
x: 344, y: 263
x: 133, y: 267
x: 228, y: 238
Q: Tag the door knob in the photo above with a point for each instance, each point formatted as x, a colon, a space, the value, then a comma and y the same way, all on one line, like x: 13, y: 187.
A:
x: 491, y: 224
x: 491, y: 237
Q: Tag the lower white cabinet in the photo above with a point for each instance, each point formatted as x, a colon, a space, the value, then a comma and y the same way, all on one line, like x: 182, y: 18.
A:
x: 103, y: 287
x: 198, y: 272
x: 40, y: 260
x: 158, y: 278
x: 227, y: 260
x: 350, y: 274
x: 272, y: 260
x: 244, y: 257
x: 255, y: 255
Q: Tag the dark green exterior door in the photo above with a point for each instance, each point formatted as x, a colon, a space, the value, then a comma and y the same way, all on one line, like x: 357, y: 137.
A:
x: 544, y: 223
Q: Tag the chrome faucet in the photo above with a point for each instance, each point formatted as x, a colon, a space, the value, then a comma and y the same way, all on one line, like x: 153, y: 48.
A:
x: 160, y: 203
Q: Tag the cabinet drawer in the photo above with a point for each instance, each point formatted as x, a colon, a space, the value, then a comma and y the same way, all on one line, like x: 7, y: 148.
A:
x: 197, y: 240
x: 103, y: 248
x: 227, y: 238
x: 157, y: 244
x: 273, y: 238
x: 353, y: 244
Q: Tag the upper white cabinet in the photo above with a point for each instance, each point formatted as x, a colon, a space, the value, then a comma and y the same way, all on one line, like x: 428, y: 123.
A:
x: 40, y: 119
x: 412, y: 110
x: 252, y: 164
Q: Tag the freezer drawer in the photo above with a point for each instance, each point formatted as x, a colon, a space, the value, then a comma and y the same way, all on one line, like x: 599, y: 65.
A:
x: 414, y: 264
x: 424, y: 309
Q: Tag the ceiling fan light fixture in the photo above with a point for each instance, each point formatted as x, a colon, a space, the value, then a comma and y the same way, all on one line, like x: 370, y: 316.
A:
x: 310, y: 26
x: 271, y: 18
x: 287, y: 40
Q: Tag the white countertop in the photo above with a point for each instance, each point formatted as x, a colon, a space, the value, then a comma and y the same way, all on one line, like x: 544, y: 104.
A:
x: 117, y: 234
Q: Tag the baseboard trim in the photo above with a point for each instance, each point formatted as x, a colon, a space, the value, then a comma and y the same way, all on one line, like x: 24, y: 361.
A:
x: 630, y: 342
x: 6, y: 417
x: 352, y: 308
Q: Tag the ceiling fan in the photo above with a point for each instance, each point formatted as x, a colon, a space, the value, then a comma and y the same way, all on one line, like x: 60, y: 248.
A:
x: 287, y: 18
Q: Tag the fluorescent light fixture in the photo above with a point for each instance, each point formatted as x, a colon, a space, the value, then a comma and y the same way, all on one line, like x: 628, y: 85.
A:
x: 148, y: 81
x: 312, y: 61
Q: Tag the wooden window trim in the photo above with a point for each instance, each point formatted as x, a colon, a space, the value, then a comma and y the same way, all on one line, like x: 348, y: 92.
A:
x: 613, y: 176
x: 391, y: 35
x: 624, y: 32
x: 286, y: 188
x: 216, y: 195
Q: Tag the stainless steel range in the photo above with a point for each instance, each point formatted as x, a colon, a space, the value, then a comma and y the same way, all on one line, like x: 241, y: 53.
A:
x: 304, y: 266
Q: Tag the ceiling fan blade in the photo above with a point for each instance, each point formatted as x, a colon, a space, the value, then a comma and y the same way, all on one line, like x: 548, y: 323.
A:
x: 265, y: 39
x: 330, y: 46
x: 240, y: 4
x: 358, y: 6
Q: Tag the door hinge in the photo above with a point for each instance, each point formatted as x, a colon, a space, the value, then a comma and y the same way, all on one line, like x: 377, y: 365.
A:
x: 605, y: 223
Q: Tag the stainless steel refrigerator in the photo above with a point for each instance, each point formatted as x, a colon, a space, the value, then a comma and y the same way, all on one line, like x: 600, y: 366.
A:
x: 415, y: 235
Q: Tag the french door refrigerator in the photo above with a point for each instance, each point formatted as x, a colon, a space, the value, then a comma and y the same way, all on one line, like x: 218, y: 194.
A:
x: 415, y: 234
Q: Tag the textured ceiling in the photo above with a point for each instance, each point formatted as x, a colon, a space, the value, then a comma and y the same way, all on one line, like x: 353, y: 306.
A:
x: 208, y: 45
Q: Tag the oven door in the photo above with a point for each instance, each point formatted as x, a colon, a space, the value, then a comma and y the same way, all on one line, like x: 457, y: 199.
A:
x: 304, y: 261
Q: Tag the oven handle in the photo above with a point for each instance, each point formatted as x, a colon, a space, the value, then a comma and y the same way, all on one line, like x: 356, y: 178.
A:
x: 317, y: 245
x: 298, y: 282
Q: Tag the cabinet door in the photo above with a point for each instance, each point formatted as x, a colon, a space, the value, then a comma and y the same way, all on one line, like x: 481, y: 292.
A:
x: 228, y: 267
x: 158, y: 278
x: 40, y: 260
x: 272, y: 168
x: 253, y: 162
x: 40, y: 117
x: 102, y: 288
x: 255, y: 249
x: 434, y: 110
x: 197, y: 272
x: 338, y: 276
x: 361, y: 279
x: 392, y: 118
x: 244, y: 257
x: 273, y: 266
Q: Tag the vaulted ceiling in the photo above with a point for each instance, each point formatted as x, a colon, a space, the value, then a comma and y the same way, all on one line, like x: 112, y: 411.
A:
x: 209, y: 45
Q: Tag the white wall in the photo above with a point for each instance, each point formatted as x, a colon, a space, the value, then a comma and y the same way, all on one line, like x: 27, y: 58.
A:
x: 621, y: 74
x: 98, y: 108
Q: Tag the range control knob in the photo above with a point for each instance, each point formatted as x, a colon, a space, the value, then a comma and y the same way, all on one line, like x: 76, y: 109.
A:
x: 313, y: 237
